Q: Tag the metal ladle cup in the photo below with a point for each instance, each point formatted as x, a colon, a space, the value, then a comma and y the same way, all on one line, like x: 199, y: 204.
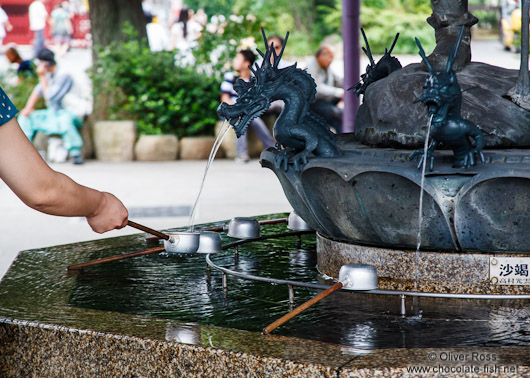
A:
x: 182, y: 242
x: 209, y: 242
x: 296, y: 223
x: 352, y: 277
x: 243, y: 228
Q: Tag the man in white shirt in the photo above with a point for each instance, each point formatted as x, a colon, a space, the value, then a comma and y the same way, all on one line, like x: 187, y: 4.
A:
x: 37, y: 22
x: 4, y: 25
x: 329, y: 88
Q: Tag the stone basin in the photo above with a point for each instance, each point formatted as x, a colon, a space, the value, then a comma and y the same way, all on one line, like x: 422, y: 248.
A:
x: 142, y: 317
x: 370, y: 196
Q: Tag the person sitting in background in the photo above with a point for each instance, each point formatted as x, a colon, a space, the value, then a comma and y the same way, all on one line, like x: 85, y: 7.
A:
x: 240, y: 64
x: 25, y: 68
x: 48, y: 191
x: 329, y: 88
x: 54, y: 120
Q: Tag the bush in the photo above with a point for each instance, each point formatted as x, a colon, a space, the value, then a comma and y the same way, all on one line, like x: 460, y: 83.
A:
x: 148, y: 87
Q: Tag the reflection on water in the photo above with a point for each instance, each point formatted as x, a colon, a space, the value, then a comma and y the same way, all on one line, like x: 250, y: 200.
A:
x: 176, y: 287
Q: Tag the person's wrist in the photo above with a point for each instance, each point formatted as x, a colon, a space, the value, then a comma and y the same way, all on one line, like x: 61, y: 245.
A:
x: 100, y: 206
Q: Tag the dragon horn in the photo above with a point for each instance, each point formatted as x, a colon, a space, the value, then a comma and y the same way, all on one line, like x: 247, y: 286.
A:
x: 393, y: 44
x: 277, y: 61
x: 273, y: 53
x: 256, y: 72
x: 452, y: 56
x: 368, y: 52
x: 264, y: 36
x: 424, y: 57
x: 266, y: 59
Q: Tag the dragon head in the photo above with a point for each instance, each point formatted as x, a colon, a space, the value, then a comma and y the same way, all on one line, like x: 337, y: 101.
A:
x: 376, y: 71
x: 255, y: 96
x: 441, y: 91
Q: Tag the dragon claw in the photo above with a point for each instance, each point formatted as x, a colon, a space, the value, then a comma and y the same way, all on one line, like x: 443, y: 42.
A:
x: 469, y: 159
x: 299, y: 160
x: 285, y: 157
x: 421, y: 153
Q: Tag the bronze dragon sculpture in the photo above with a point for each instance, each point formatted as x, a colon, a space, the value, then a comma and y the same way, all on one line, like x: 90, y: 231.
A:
x: 298, y: 131
x: 443, y: 97
x: 376, y: 71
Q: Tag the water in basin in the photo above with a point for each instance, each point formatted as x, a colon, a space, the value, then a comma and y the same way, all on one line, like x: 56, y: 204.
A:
x: 176, y: 287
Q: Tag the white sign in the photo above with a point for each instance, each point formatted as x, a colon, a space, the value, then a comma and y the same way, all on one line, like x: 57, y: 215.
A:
x: 509, y: 270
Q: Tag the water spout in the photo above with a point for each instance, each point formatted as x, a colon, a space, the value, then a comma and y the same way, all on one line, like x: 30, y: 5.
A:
x: 217, y: 143
x: 420, y: 211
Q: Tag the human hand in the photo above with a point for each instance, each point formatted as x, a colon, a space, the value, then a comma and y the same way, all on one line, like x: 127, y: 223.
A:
x: 41, y: 69
x: 26, y: 111
x: 110, y: 215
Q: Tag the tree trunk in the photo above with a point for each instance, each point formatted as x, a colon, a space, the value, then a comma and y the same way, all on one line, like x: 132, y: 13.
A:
x: 108, y: 16
x: 448, y: 17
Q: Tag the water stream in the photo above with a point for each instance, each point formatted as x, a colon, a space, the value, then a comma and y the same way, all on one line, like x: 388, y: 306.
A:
x: 217, y: 143
x: 420, y: 210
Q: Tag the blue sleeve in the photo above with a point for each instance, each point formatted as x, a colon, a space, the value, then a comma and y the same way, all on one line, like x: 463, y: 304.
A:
x: 58, y: 88
x: 8, y: 111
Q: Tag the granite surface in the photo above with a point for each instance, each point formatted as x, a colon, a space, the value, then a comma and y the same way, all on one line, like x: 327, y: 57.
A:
x: 36, y: 350
x: 398, y: 269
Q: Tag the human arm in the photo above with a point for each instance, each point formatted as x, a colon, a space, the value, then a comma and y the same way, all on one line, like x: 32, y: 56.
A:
x: 225, y: 97
x: 8, y: 26
x: 32, y: 101
x: 37, y: 91
x: 325, y: 90
x: 227, y: 88
x: 51, y: 192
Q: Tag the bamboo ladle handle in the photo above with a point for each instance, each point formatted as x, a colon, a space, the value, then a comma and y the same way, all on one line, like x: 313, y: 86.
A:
x: 147, y: 229
x: 271, y: 327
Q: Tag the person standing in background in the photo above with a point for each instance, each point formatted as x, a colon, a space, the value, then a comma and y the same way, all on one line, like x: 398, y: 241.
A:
x: 5, y: 26
x: 37, y: 22
x: 61, y: 28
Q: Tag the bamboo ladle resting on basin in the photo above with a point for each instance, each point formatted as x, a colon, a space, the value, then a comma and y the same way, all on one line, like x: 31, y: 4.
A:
x: 361, y: 277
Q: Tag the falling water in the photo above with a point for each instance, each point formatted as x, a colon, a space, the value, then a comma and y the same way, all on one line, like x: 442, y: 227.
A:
x: 217, y: 143
x: 420, y: 211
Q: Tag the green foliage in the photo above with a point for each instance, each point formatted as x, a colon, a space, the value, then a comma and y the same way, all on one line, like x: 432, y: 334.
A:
x: 212, y: 7
x: 382, y: 19
x: 162, y: 97
x: 489, y: 15
x: 310, y: 22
